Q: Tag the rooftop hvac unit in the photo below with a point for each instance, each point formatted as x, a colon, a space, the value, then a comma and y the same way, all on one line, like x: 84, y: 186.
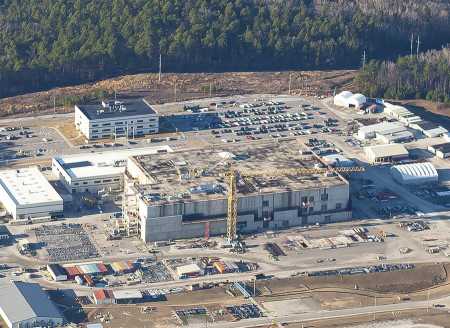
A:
x: 102, y: 164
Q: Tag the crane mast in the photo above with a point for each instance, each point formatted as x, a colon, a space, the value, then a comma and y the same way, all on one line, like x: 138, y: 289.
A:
x: 232, y: 205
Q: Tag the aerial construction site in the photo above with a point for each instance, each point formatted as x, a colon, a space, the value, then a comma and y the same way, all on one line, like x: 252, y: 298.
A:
x: 240, y: 211
x: 184, y: 194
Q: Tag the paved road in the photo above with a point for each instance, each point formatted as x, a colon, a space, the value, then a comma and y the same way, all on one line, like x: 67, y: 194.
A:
x: 383, y: 178
x: 322, y: 315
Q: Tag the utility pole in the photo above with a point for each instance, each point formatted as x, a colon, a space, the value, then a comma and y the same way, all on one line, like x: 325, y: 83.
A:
x: 54, y: 104
x: 175, y: 90
x: 115, y: 94
x: 375, y: 309
x: 210, y: 89
x: 160, y: 66
x: 364, y: 59
x: 290, y: 82
x: 418, y: 45
x: 412, y: 42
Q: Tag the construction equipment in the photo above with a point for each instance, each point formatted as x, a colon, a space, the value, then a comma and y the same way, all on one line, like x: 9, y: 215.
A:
x: 232, y: 175
x: 232, y: 205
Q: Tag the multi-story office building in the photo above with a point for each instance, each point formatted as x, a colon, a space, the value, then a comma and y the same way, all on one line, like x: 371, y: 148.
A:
x: 112, y: 119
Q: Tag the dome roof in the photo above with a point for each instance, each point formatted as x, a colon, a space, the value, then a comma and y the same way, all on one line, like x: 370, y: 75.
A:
x: 345, y: 94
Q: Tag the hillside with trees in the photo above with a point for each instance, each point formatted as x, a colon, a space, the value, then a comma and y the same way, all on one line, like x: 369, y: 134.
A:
x: 426, y: 76
x: 47, y: 43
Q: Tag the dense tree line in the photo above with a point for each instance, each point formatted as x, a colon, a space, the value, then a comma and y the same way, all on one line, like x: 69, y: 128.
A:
x: 425, y: 76
x: 53, y: 42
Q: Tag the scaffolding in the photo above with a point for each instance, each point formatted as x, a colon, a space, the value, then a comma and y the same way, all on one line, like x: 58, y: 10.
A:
x: 128, y: 226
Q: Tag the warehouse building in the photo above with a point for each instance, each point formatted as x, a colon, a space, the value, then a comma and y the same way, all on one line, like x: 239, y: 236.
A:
x: 116, y: 118
x: 386, y: 132
x: 350, y: 100
x: 401, y: 114
x: 337, y: 160
x: 440, y: 150
x: 92, y: 269
x: 429, y: 129
x: 189, y: 271
x: 122, y: 267
x: 183, y: 194
x: 27, y: 305
x: 386, y: 153
x: 103, y: 297
x: 416, y: 173
x: 57, y: 272
x: 27, y: 195
x: 96, y: 172
x: 127, y: 296
x: 5, y: 235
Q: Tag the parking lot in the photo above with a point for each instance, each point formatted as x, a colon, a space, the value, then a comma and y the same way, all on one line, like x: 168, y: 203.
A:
x: 26, y: 142
x: 202, y: 123
x: 65, y: 242
x: 254, y: 119
x: 245, y: 311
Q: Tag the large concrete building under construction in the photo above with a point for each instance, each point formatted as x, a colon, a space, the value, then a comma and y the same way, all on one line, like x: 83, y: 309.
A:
x: 184, y: 194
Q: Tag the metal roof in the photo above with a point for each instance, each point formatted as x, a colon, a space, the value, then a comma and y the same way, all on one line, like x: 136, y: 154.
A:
x: 188, y: 269
x: 427, y: 125
x: 56, y: 269
x: 416, y: 171
x: 386, y: 150
x: 444, y: 147
x: 4, y: 230
x: 28, y: 186
x: 383, y: 128
x: 127, y: 294
x: 23, y: 301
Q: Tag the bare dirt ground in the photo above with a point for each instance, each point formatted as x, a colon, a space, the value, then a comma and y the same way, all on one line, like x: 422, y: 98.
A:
x: 298, y: 295
x: 178, y: 87
x: 400, y: 282
x: 404, y: 319
x: 431, y: 106
x: 161, y: 315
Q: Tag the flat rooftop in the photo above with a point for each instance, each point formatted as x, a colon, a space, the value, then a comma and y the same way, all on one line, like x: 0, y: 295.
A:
x: 387, y: 150
x: 383, y: 128
x: 22, y: 301
x: 90, y: 165
x: 444, y: 147
x: 427, y: 125
x: 200, y: 174
x: 28, y: 186
x: 117, y: 109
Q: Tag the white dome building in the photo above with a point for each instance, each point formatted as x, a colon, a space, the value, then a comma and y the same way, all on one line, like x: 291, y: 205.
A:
x: 349, y: 100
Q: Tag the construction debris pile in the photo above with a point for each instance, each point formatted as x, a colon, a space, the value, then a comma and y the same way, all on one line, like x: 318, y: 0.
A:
x: 345, y: 238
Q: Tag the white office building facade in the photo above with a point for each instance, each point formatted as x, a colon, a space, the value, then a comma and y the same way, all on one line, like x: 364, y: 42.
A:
x: 126, y: 118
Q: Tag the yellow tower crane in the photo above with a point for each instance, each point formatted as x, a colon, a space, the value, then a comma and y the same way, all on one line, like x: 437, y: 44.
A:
x: 232, y: 175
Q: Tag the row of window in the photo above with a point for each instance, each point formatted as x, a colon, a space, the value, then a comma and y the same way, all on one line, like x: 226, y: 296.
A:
x: 98, y: 181
x: 122, y: 129
x: 305, y: 200
x: 243, y: 224
x: 137, y: 133
x: 122, y: 122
